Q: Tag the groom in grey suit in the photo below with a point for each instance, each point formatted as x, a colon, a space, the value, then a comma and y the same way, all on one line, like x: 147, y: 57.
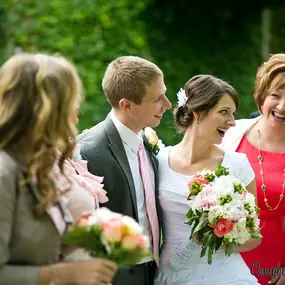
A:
x: 135, y: 89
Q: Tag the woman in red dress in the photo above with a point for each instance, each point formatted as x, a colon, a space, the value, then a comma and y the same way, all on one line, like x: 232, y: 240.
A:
x: 263, y: 140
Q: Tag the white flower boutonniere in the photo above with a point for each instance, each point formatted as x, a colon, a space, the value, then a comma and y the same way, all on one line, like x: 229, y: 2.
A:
x: 154, y: 143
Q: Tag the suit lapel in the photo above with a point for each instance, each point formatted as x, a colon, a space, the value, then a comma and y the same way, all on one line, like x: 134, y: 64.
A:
x: 118, y: 150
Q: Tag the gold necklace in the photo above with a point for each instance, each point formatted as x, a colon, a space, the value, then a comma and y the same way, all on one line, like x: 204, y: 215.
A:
x: 263, y: 186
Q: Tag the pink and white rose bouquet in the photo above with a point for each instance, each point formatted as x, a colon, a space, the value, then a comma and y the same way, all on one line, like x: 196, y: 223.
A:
x: 222, y: 211
x: 104, y: 233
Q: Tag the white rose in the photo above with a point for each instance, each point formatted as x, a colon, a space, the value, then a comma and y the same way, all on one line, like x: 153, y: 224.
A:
x: 102, y: 215
x: 224, y: 185
x: 216, y: 212
x: 133, y: 227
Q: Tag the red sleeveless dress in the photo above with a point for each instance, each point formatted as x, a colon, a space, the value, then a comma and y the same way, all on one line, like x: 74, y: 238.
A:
x: 269, y: 256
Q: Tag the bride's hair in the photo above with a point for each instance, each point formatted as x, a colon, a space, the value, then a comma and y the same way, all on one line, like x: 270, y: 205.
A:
x: 203, y: 92
x: 37, y: 101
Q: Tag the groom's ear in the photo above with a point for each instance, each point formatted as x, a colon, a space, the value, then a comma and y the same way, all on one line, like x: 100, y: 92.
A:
x: 125, y: 105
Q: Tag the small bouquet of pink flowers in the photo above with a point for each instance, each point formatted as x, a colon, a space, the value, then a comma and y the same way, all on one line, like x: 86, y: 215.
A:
x: 104, y: 233
x: 222, y: 211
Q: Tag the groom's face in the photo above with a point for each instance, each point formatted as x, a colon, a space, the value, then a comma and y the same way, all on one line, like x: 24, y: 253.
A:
x: 152, y: 107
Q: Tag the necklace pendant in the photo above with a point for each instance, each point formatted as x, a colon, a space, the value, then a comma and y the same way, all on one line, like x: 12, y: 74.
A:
x: 259, y: 157
x: 281, y: 196
x: 263, y: 187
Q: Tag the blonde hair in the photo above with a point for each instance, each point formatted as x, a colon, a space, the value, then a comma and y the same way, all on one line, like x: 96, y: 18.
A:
x: 128, y: 77
x: 37, y: 94
x: 270, y: 75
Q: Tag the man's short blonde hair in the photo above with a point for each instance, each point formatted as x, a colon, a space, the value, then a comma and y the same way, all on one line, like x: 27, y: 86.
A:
x: 128, y: 77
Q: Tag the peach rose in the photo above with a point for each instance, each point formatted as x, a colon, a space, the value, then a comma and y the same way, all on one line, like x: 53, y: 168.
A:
x: 134, y: 241
x: 151, y: 136
x: 223, y: 227
x: 113, y: 230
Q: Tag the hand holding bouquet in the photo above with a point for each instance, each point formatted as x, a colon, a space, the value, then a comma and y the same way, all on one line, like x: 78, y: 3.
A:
x: 223, y: 212
x: 109, y: 235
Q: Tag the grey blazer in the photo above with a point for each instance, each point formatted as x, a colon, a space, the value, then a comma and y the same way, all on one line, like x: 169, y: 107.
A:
x: 103, y: 148
x: 25, y: 240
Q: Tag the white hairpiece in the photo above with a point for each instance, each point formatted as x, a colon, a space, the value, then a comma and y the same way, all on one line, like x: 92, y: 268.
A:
x: 182, y: 98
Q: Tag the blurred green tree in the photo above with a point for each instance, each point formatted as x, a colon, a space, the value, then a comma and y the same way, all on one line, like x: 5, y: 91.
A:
x: 89, y: 33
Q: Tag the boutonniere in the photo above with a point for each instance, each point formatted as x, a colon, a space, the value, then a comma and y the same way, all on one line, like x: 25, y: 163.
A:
x: 152, y: 140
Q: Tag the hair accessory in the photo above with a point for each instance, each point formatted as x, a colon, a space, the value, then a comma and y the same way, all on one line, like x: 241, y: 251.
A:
x: 182, y: 98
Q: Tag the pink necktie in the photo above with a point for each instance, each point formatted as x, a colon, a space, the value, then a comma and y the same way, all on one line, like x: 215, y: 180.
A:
x: 149, y: 200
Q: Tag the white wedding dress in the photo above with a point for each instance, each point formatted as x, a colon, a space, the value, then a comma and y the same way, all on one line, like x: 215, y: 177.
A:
x: 195, y: 270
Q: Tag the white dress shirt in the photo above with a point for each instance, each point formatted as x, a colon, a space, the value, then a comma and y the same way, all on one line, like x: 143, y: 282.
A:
x: 131, y: 142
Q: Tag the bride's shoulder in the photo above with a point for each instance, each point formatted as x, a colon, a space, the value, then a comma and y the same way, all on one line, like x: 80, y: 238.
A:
x: 164, y: 151
x: 235, y: 160
x: 235, y: 156
x: 163, y: 155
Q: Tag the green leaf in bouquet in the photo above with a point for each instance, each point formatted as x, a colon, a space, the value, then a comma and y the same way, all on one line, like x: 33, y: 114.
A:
x: 220, y: 171
x: 84, y: 237
x: 191, y: 220
x: 203, y: 251
x: 210, y: 254
x: 207, y: 237
x: 256, y: 234
x: 202, y: 224
x: 193, y: 228
x: 218, y: 242
x: 189, y: 213
x: 124, y: 257
x: 229, y: 249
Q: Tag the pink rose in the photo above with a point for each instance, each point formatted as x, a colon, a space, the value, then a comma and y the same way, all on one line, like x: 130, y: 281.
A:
x: 133, y: 241
x: 151, y: 136
x: 222, y: 227
x: 208, y: 198
x: 113, y: 229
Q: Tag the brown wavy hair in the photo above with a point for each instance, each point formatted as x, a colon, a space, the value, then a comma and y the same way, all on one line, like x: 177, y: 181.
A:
x: 203, y: 92
x: 270, y: 75
x: 37, y: 95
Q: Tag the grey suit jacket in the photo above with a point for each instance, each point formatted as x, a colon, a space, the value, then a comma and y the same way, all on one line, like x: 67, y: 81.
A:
x: 103, y: 148
x: 25, y: 240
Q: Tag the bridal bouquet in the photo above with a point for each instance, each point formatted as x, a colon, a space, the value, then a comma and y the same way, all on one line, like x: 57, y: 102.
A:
x: 223, y: 212
x: 110, y: 235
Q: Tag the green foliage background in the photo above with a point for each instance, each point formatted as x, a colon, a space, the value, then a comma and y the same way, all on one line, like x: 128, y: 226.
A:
x: 184, y: 38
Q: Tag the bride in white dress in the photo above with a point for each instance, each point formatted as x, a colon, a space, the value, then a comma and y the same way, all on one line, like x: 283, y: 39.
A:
x: 204, y: 113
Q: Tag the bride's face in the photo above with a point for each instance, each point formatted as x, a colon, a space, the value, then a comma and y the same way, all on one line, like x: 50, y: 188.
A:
x: 220, y: 118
